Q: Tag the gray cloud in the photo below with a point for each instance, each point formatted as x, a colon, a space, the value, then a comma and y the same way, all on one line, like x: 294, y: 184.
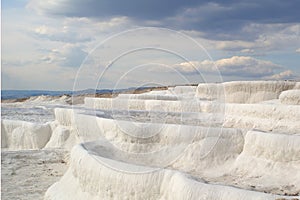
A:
x: 233, y: 20
x: 146, y: 10
x: 269, y: 37
x: 218, y: 19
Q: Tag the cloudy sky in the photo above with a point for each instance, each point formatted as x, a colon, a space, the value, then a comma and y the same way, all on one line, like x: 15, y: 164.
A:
x: 78, y: 44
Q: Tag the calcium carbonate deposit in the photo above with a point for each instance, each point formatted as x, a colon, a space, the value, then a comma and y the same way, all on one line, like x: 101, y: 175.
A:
x: 229, y: 141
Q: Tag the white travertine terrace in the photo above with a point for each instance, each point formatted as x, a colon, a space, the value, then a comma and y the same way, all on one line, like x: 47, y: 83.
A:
x: 244, y: 91
x: 291, y: 97
x: 24, y: 135
x: 242, y: 147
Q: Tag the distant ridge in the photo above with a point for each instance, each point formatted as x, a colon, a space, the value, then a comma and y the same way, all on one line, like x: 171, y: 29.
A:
x: 24, y: 94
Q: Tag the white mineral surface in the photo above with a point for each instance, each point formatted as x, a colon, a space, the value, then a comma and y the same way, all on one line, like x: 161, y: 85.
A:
x: 229, y: 141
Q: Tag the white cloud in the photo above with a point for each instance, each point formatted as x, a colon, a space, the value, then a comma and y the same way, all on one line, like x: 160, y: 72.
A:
x: 79, y: 29
x: 288, y: 74
x: 298, y: 50
x: 70, y: 55
x: 248, y: 51
x: 95, y: 27
x: 234, y: 45
x: 61, y: 34
x: 241, y: 66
